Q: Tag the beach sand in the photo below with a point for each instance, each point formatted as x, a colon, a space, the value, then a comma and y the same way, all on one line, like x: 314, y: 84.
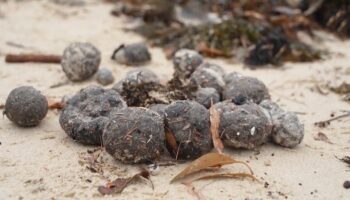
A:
x: 44, y: 163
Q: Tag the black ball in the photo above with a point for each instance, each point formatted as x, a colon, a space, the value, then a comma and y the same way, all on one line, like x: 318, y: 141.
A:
x: 26, y: 106
x: 134, y: 135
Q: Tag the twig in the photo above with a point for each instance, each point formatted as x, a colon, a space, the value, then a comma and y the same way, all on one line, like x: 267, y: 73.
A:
x: 37, y: 58
x: 325, y: 123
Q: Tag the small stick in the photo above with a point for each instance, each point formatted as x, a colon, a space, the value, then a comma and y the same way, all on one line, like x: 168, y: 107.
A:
x: 327, y: 122
x: 37, y: 58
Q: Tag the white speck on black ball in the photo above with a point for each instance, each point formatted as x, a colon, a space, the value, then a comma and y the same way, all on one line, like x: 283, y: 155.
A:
x: 80, y: 61
x: 189, y: 123
x: 104, y: 76
x: 26, y: 106
x: 243, y: 126
x: 134, y: 135
x: 85, y: 114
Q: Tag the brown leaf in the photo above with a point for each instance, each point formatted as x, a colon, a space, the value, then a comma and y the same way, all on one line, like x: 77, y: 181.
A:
x: 2, y: 106
x: 211, y: 52
x: 226, y: 175
x: 322, y: 137
x: 208, y: 161
x: 171, y: 140
x: 214, y: 128
x: 119, y: 184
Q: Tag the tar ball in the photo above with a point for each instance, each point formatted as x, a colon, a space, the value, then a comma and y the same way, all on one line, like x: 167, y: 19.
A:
x: 134, y: 135
x: 132, y: 54
x: 80, y: 61
x: 243, y: 126
x: 104, y: 76
x: 26, y: 106
x: 189, y: 125
x: 241, y: 89
x: 85, y: 114
x: 209, y: 75
x: 288, y: 131
x: 135, y: 77
x: 207, y: 96
x: 186, y: 62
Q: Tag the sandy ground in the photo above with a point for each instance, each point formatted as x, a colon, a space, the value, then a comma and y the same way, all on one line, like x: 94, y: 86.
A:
x: 43, y: 163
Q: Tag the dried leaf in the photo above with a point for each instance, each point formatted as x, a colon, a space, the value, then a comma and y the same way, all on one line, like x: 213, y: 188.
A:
x: 211, y: 52
x: 119, y: 184
x: 322, y: 137
x: 226, y: 175
x: 171, y: 140
x: 214, y: 128
x: 207, y: 161
x: 2, y: 106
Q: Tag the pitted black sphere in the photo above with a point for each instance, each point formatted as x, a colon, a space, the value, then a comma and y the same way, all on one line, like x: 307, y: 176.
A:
x: 26, y: 106
x: 241, y: 89
x: 209, y: 76
x: 86, y: 113
x: 243, y: 126
x: 134, y: 135
x: 80, y: 61
x: 186, y: 62
x: 188, y: 122
x: 207, y: 96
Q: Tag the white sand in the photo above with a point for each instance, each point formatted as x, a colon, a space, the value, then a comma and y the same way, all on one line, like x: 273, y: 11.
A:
x: 43, y: 163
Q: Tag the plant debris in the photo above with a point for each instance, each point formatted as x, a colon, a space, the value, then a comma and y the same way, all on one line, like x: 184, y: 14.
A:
x: 346, y: 159
x: 343, y: 88
x: 144, y: 94
x: 214, y: 128
x: 36, y: 58
x: 119, y: 184
x: 267, y: 30
x: 207, y: 161
x: 322, y: 137
x: 324, y: 124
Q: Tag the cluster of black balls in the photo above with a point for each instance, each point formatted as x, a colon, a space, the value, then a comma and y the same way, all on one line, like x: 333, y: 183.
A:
x: 98, y: 116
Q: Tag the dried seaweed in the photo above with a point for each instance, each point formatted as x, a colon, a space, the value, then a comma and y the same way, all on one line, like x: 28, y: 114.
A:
x: 145, y: 94
x: 249, y: 24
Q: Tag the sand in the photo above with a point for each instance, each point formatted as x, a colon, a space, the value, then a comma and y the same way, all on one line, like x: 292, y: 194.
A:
x: 43, y: 163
